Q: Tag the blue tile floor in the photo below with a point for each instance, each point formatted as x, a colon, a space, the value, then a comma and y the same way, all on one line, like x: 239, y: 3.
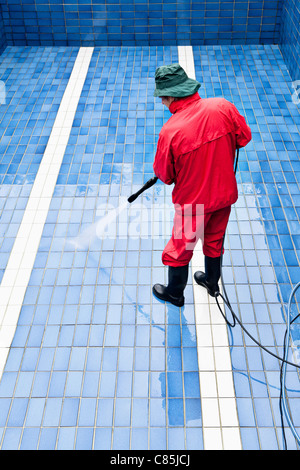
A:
x: 35, y: 80
x: 96, y: 362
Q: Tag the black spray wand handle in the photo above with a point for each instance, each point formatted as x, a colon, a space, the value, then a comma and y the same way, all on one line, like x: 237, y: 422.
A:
x: 147, y: 185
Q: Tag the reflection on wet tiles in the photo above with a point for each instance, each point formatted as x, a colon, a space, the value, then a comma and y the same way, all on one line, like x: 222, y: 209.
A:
x: 258, y: 300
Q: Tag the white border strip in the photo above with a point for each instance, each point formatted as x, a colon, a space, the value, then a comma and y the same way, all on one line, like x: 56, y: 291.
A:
x: 220, y: 423
x: 17, y: 274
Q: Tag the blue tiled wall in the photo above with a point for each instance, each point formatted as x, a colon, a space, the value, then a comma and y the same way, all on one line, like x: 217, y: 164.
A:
x: 290, y: 36
x: 141, y: 22
x: 2, y: 34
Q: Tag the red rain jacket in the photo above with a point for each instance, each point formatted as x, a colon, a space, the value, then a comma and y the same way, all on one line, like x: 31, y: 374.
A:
x: 196, y: 151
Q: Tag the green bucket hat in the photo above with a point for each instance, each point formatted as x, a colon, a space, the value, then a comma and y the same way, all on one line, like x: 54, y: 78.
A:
x: 171, y: 80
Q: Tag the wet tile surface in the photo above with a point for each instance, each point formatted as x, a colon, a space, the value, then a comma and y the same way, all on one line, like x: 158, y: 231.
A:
x: 96, y: 361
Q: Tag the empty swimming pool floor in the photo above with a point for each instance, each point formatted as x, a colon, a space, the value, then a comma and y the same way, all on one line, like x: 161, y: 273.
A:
x: 96, y: 362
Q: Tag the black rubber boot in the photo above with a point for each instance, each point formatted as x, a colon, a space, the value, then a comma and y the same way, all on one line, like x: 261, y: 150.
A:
x: 173, y: 292
x: 210, y: 278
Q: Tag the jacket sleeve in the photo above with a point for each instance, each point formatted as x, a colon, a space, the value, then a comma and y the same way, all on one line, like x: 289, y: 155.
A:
x: 163, y: 165
x: 242, y: 130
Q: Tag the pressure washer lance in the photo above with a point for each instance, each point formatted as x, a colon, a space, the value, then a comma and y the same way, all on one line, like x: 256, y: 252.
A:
x: 147, y: 185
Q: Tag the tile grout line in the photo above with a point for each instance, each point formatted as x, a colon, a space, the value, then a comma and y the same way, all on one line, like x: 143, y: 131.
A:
x: 220, y: 423
x: 21, y: 261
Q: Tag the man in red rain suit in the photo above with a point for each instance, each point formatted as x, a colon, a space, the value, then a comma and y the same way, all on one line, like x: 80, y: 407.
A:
x: 196, y: 151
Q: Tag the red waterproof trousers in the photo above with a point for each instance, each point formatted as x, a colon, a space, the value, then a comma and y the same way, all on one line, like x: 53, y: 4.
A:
x: 188, y: 229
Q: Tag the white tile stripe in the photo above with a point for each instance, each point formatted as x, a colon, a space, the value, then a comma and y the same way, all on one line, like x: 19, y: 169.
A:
x: 221, y: 429
x: 17, y: 274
